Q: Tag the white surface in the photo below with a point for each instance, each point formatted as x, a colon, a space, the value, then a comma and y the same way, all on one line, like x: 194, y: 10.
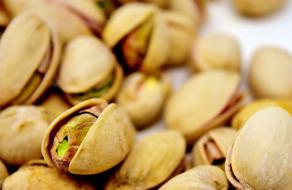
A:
x: 275, y: 30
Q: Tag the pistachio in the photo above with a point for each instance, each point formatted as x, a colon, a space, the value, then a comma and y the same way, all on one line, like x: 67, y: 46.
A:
x: 84, y: 57
x: 21, y: 131
x: 89, y: 138
x: 38, y: 175
x: 25, y: 77
x: 143, y: 97
x: 248, y: 110
x: 3, y: 173
x: 216, y: 51
x: 140, y: 43
x: 199, y: 178
x: 205, y: 101
x: 211, y: 149
x: 270, y: 73
x: 256, y: 8
x: 261, y: 155
x: 142, y: 171
x: 4, y: 16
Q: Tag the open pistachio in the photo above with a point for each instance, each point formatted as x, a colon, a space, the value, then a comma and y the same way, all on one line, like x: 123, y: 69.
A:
x: 205, y: 101
x: 152, y: 160
x: 216, y: 51
x: 257, y: 7
x: 89, y: 138
x: 3, y: 173
x: 211, y: 149
x: 25, y: 77
x: 140, y: 43
x: 143, y: 97
x: 247, y: 111
x: 21, y: 131
x: 270, y: 73
x: 89, y: 70
x: 261, y: 157
x: 199, y: 178
x: 38, y: 175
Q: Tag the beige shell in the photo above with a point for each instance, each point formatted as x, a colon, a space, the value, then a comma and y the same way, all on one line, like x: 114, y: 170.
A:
x: 199, y: 178
x: 21, y: 131
x: 205, y: 101
x: 105, y: 145
x: 216, y: 51
x: 151, y: 162
x: 15, y: 7
x: 270, y: 73
x: 37, y: 175
x: 143, y: 97
x: 4, y: 16
x: 248, y: 110
x: 211, y: 149
x: 261, y: 157
x: 257, y: 7
x: 3, y: 173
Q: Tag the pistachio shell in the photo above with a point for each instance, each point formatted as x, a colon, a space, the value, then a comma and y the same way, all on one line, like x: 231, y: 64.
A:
x: 139, y: 171
x: 216, y: 51
x: 160, y: 3
x: 15, y: 7
x: 21, y: 131
x: 106, y: 143
x: 211, y: 149
x: 4, y: 16
x: 143, y: 97
x: 199, y: 178
x: 3, y: 173
x: 205, y: 101
x: 270, y: 73
x: 261, y: 155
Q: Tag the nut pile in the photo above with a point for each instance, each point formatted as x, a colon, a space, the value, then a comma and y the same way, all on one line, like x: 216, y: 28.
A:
x: 80, y: 80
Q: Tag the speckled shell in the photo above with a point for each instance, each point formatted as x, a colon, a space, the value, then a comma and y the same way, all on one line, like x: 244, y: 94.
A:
x: 106, y: 144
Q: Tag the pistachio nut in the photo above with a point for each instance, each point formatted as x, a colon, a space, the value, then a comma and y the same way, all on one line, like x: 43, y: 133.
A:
x: 256, y: 8
x: 25, y: 77
x: 140, y: 43
x: 198, y: 178
x: 21, y: 131
x: 143, y: 97
x: 205, y: 101
x: 3, y: 173
x: 270, y: 73
x: 4, y: 16
x: 38, y: 175
x: 261, y: 157
x: 211, y: 149
x: 152, y: 160
x: 89, y: 138
x: 89, y: 70
x: 248, y: 110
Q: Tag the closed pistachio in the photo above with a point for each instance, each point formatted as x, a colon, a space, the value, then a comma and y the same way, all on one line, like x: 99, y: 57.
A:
x: 205, y: 101
x: 152, y: 161
x: 256, y: 8
x: 89, y: 138
x: 141, y: 43
x: 143, y: 97
x: 216, y: 51
x: 211, y: 149
x: 89, y: 70
x: 25, y: 77
x: 38, y: 175
x: 198, y: 178
x: 261, y: 157
x: 248, y: 110
x: 3, y: 173
x: 21, y: 131
x: 270, y: 73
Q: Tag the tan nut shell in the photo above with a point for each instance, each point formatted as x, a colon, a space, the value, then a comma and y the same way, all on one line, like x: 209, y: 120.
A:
x: 37, y: 175
x: 270, y: 73
x: 261, y: 157
x: 199, y: 178
x: 4, y: 16
x: 106, y: 144
x: 152, y: 161
x: 3, y: 173
x: 143, y: 100
x: 200, y: 103
x: 21, y: 131
x: 223, y: 137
